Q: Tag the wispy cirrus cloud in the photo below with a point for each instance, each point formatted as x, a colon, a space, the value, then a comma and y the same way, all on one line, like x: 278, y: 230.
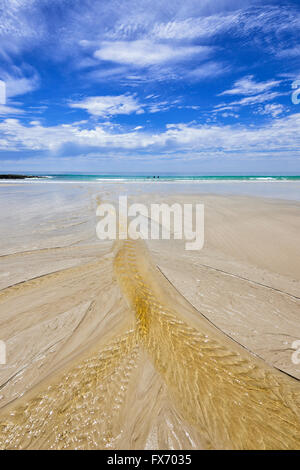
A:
x: 140, y: 34
x: 242, y: 21
x: 191, y: 28
x: 253, y: 93
x: 248, y: 86
x: 34, y: 23
x: 257, y: 99
x: 209, y: 69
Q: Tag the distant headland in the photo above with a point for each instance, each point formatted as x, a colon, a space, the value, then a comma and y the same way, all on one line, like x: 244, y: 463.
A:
x: 17, y: 177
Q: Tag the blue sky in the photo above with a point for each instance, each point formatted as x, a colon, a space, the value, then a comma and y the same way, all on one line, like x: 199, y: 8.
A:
x: 149, y: 86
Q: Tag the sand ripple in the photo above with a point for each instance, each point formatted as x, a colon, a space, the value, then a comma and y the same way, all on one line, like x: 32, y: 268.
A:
x: 168, y: 379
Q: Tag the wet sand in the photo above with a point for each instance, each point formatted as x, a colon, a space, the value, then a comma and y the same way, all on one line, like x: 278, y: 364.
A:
x: 136, y: 344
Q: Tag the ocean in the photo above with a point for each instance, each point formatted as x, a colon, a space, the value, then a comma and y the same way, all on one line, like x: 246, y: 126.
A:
x: 271, y: 186
x: 166, y: 178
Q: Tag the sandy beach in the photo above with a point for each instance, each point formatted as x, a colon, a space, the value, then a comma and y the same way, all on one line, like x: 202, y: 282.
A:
x: 141, y: 344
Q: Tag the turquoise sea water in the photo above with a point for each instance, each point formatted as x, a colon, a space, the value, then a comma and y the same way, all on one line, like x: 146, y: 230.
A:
x: 165, y: 178
x: 270, y: 186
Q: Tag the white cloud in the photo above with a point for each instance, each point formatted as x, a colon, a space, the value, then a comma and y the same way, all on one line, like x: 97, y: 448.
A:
x: 16, y: 84
x: 273, y: 109
x: 100, y: 75
x: 290, y: 52
x: 223, y: 107
x: 262, y: 20
x: 144, y: 52
x: 254, y: 92
x: 275, y: 20
x: 226, y: 114
x: 19, y: 81
x: 4, y: 110
x: 204, y: 26
x: 248, y: 86
x: 16, y: 26
x: 109, y: 105
x: 106, y: 106
x: 282, y: 134
x: 262, y: 98
x: 27, y: 23
x: 21, y: 86
x: 208, y: 70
